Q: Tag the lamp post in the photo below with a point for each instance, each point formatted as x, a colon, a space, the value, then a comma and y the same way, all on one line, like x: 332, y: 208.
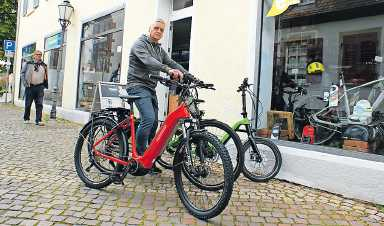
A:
x: 65, y: 13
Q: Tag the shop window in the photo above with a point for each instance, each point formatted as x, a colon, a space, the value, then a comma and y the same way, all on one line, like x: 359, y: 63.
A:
x: 101, y: 49
x: 359, y: 52
x: 35, y: 3
x: 181, y: 4
x: 26, y: 55
x: 51, y: 58
x: 29, y: 6
x: 25, y: 7
x: 327, y: 65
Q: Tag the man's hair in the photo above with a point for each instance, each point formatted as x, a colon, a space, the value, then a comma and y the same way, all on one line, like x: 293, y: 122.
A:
x: 158, y: 20
x: 37, y: 51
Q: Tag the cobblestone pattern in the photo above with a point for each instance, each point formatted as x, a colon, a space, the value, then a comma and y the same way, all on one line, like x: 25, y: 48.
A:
x: 39, y: 186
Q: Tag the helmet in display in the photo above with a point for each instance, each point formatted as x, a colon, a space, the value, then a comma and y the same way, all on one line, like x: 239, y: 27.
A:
x: 315, y: 68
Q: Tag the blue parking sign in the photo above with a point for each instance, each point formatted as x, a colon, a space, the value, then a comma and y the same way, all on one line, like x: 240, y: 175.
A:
x: 9, y: 46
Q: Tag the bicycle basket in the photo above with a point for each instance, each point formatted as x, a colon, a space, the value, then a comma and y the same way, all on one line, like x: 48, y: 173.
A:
x: 106, y: 96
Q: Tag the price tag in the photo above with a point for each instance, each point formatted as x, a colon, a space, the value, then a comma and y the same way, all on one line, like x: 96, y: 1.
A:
x: 379, y: 59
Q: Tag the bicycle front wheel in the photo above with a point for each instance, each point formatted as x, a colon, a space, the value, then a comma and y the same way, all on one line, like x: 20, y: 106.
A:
x: 262, y: 161
x: 204, y: 184
x: 224, y: 132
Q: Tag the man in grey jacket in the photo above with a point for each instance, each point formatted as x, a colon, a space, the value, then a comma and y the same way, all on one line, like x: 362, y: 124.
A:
x: 35, y: 78
x: 146, y: 58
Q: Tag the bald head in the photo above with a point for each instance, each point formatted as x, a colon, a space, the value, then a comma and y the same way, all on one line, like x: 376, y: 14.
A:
x: 156, y: 30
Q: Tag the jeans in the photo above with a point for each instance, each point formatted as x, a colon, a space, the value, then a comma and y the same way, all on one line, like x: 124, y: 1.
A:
x: 148, y: 109
x: 36, y: 94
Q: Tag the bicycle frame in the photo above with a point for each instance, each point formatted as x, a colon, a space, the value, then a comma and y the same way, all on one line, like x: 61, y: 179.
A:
x: 158, y: 143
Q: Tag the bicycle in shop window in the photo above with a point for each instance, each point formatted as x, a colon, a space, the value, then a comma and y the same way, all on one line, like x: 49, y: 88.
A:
x: 337, y: 120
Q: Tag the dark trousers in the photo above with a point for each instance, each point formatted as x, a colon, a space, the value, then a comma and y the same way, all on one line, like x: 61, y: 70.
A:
x: 148, y: 109
x: 34, y: 94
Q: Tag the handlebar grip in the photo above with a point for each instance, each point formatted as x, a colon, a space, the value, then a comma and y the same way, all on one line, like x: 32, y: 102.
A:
x: 245, y: 81
x: 156, y: 77
x: 190, y: 77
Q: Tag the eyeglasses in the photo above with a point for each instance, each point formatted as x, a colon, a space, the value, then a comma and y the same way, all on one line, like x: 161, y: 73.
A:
x: 38, y: 54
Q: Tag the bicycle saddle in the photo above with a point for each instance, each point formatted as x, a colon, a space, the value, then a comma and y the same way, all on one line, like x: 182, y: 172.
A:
x: 129, y: 97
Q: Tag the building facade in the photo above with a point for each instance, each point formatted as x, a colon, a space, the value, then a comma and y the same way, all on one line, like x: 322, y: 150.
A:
x: 222, y: 42
x: 99, y: 38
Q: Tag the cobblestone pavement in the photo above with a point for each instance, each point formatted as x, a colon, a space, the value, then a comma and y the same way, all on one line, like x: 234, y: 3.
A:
x: 38, y: 186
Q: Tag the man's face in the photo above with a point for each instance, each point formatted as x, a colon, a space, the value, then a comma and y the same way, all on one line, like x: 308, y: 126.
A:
x: 156, y: 31
x: 37, y: 56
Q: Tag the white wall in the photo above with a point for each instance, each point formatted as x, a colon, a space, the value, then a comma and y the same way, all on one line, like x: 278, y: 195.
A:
x: 220, y: 53
x: 350, y: 177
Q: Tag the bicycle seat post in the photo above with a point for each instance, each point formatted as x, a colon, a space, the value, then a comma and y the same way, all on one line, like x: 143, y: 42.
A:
x: 130, y: 106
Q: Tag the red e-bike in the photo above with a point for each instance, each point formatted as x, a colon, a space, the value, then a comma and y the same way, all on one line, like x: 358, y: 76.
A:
x: 204, y: 181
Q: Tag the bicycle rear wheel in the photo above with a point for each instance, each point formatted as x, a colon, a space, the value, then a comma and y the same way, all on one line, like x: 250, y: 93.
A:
x: 95, y: 171
x: 262, y: 162
x: 204, y: 184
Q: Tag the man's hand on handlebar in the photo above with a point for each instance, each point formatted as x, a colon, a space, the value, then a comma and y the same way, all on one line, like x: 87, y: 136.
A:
x: 175, y: 74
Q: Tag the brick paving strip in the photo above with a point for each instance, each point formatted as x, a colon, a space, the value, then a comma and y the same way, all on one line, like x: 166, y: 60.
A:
x: 39, y: 186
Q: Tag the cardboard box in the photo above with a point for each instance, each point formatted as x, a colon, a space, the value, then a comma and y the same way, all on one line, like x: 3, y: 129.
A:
x: 173, y: 103
x: 357, y: 145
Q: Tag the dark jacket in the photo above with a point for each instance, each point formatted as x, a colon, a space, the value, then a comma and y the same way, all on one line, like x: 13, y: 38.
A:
x: 148, y: 58
x: 27, y: 70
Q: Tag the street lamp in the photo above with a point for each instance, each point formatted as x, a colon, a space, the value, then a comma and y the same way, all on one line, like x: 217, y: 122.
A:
x: 65, y: 13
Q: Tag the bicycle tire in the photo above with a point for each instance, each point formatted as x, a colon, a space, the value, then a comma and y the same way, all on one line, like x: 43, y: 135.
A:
x: 179, y: 171
x: 247, y: 172
x: 84, y: 133
x: 236, y: 155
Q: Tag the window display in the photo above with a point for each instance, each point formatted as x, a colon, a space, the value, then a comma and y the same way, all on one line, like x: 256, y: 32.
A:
x: 51, y: 58
x: 101, y: 49
x: 328, y: 72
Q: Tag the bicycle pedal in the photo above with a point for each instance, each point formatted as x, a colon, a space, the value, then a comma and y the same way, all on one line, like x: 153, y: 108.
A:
x: 117, y: 179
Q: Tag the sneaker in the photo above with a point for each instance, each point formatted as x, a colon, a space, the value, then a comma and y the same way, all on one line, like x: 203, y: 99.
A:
x: 27, y: 122
x: 155, y: 170
x: 40, y: 124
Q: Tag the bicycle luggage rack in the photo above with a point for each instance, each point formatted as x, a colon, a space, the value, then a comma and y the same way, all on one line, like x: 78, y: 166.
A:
x: 106, y: 97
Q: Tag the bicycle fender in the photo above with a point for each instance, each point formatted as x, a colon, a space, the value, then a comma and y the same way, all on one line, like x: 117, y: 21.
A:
x: 95, y: 118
